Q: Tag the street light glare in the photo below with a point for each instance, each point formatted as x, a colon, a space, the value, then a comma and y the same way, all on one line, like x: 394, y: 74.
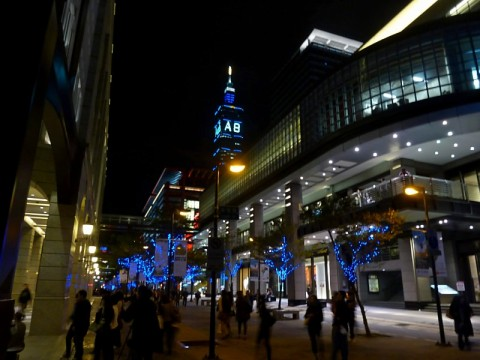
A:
x: 236, y: 168
x: 411, y: 191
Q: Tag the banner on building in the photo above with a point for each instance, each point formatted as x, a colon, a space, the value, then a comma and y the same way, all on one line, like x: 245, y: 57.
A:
x: 123, y: 276
x: 423, y: 262
x: 264, y: 272
x: 161, y: 256
x: 132, y: 273
x: 180, y: 259
x: 253, y: 270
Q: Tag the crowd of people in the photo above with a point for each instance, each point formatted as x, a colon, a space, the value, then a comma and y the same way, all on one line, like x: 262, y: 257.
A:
x: 152, y: 314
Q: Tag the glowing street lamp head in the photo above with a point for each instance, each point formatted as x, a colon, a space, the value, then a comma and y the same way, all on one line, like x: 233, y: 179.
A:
x: 413, y: 190
x: 87, y: 229
x: 237, y: 168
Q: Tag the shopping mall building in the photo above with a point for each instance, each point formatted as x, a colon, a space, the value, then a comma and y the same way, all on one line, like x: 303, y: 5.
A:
x: 407, y: 102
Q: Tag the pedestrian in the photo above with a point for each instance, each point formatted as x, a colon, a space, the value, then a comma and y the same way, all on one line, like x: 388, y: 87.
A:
x: 104, y: 336
x: 169, y: 315
x: 80, y: 321
x: 351, y: 305
x: 144, y: 326
x: 24, y: 298
x: 339, y: 325
x: 197, y: 297
x: 461, y: 312
x: 117, y: 324
x: 225, y: 304
x: 313, y: 319
x: 265, y: 329
x: 16, y: 343
x: 242, y: 313
x: 184, y: 297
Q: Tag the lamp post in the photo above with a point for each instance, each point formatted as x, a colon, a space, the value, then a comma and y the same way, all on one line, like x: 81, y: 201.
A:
x: 236, y: 168
x: 412, y: 190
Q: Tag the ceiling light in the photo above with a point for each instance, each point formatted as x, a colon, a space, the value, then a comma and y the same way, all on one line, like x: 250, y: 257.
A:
x: 395, y: 136
x: 357, y: 149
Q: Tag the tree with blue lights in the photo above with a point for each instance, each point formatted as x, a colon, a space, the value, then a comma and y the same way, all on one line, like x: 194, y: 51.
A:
x: 231, y: 269
x: 358, y: 242
x: 282, y: 261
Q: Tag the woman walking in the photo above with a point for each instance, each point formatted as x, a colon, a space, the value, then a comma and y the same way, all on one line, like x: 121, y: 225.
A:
x: 242, y: 313
x: 461, y: 311
x: 313, y: 320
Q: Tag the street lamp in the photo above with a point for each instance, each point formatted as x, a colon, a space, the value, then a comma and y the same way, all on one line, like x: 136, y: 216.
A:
x: 412, y: 190
x: 235, y: 168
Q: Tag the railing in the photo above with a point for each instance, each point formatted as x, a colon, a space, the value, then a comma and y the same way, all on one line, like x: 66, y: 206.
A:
x: 392, y: 187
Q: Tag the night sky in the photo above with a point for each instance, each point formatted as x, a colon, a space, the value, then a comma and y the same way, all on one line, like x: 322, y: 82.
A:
x: 170, y: 68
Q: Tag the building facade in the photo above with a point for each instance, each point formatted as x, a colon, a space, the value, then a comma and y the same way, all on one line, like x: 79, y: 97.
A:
x: 54, y: 177
x: 409, y: 101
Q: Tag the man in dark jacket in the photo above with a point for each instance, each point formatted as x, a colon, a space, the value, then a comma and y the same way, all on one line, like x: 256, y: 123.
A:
x: 78, y: 328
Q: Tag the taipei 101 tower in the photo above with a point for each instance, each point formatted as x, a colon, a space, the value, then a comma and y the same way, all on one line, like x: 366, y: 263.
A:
x: 228, y: 129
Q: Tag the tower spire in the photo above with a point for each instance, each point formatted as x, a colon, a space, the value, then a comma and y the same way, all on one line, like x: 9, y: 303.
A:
x: 229, y: 93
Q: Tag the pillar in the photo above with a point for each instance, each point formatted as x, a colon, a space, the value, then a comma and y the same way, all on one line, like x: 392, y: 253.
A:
x: 296, y: 282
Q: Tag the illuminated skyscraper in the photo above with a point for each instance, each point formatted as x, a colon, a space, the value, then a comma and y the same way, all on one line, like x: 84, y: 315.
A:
x: 228, y: 131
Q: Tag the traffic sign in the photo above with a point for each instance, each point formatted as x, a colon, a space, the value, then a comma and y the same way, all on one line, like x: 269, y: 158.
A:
x: 228, y: 213
x: 215, y: 254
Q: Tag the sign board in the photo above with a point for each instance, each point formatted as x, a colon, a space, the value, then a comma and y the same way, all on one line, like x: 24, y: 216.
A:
x: 228, y: 213
x: 215, y: 254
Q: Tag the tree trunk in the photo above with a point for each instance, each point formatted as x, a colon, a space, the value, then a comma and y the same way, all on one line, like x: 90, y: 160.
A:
x: 280, y: 297
x: 354, y: 288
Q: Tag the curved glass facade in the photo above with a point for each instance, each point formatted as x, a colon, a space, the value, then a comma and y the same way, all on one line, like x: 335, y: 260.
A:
x: 409, y: 68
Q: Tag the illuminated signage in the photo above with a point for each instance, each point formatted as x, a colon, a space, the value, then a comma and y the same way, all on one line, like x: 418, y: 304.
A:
x: 227, y: 126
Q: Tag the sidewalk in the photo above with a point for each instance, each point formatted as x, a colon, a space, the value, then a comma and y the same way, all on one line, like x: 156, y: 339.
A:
x: 289, y: 340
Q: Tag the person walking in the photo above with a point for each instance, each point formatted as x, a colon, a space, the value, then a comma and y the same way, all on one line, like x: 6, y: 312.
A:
x: 339, y: 325
x: 169, y: 315
x: 144, y: 327
x: 24, y: 298
x: 80, y: 321
x: 16, y: 343
x: 313, y: 320
x: 351, y: 305
x: 104, y: 336
x: 225, y: 303
x: 461, y: 312
x: 197, y: 297
x: 265, y: 329
x: 242, y: 313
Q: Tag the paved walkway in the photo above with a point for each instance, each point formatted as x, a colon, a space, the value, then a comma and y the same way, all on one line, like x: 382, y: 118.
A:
x: 289, y: 341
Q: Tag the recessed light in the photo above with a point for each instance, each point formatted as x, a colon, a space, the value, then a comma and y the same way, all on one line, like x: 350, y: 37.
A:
x: 375, y: 154
x: 450, y: 133
x: 330, y: 161
x: 439, y: 141
x: 455, y: 145
x: 409, y: 143
x: 444, y: 122
x: 436, y: 152
x: 419, y: 149
x: 357, y: 149
x: 472, y: 148
x: 395, y: 136
x: 452, y: 156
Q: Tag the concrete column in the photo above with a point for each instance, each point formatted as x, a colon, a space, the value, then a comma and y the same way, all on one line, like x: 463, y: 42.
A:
x: 257, y: 232
x: 28, y: 260
x: 411, y: 283
x: 296, y: 282
x: 52, y: 308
